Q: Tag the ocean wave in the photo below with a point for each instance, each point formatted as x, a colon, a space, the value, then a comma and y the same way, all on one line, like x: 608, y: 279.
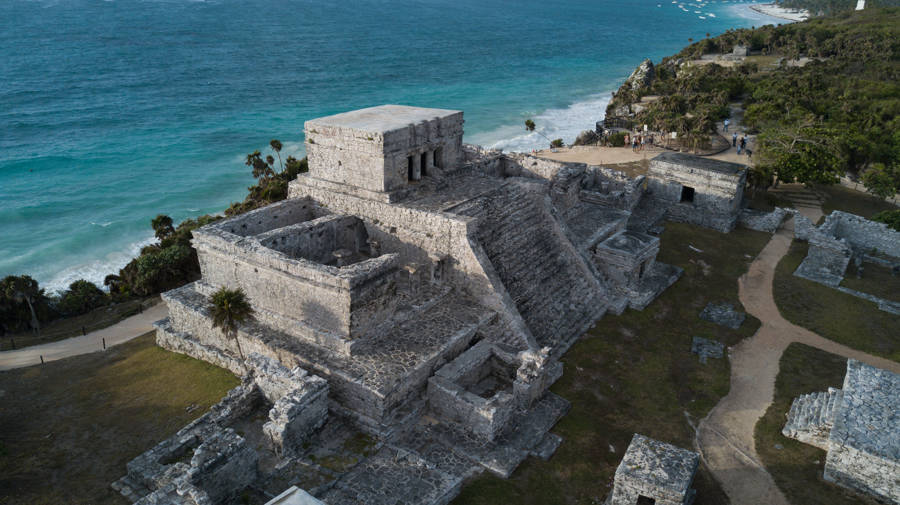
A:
x: 102, y: 225
x: 564, y: 123
x: 96, y: 270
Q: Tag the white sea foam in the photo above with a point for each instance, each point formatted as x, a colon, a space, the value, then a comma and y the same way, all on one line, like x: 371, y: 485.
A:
x: 97, y: 269
x: 564, y: 123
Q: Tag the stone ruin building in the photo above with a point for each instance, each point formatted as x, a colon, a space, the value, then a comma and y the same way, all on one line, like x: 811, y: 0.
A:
x: 412, y: 298
x: 859, y: 427
x: 844, y: 238
x: 654, y: 472
x: 698, y: 190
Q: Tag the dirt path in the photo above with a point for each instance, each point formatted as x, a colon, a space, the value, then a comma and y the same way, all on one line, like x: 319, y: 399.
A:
x: 725, y: 436
x: 118, y: 333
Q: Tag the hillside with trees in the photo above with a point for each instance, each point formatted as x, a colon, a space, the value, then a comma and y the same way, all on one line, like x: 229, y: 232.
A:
x: 822, y: 95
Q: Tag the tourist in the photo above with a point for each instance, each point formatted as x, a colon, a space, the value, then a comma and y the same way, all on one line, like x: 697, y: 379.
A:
x: 643, y: 140
x: 734, y: 139
x: 633, y: 143
x: 626, y: 139
x: 742, y: 144
x: 726, y: 124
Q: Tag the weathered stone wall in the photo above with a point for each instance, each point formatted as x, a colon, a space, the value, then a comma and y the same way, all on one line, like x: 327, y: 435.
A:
x: 826, y: 261
x: 322, y: 297
x: 481, y: 390
x: 378, y: 160
x: 717, y: 193
x: 863, y: 472
x: 762, y: 221
x: 416, y: 235
x: 862, y: 234
x: 655, y: 470
x: 316, y: 240
x: 526, y: 165
x: 863, y: 448
x: 270, y: 217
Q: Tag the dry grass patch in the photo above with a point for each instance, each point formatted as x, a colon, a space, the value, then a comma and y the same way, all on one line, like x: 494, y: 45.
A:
x: 67, y: 428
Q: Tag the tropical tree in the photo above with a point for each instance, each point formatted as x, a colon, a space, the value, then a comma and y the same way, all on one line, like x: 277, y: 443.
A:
x: 530, y: 126
x: 230, y: 308
x: 162, y: 226
x: 276, y: 146
x: 23, y: 288
x: 882, y: 180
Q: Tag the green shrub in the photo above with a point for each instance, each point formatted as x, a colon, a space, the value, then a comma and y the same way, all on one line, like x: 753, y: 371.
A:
x: 889, y: 217
x: 556, y: 143
x: 617, y: 139
x: 82, y: 297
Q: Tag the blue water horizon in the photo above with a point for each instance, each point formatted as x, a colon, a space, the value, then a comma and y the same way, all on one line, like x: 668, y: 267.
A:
x: 112, y: 112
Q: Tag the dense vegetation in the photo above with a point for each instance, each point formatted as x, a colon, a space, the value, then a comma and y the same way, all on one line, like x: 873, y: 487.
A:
x: 836, y: 113
x: 828, y: 7
x: 164, y: 265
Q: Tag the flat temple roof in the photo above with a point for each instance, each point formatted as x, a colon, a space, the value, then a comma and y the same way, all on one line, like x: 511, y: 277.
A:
x: 702, y: 163
x: 381, y: 119
x: 869, y: 417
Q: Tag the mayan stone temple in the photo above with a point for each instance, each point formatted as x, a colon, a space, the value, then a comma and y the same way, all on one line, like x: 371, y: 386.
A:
x: 412, y: 298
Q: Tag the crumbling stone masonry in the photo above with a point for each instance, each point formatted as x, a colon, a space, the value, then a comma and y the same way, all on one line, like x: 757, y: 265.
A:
x: 859, y: 426
x: 842, y: 238
x: 654, y: 472
x: 416, y: 293
x: 698, y: 190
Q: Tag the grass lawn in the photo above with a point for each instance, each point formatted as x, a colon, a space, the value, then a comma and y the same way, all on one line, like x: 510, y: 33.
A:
x: 67, y: 327
x: 852, y: 321
x: 67, y: 428
x: 876, y: 280
x: 635, y: 373
x: 838, y: 197
x: 797, y: 467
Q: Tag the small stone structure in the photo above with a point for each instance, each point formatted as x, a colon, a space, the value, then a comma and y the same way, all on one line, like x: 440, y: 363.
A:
x: 415, y: 292
x: 723, y: 314
x: 842, y: 238
x: 698, y: 190
x: 654, y: 472
x: 859, y: 426
x: 706, y: 348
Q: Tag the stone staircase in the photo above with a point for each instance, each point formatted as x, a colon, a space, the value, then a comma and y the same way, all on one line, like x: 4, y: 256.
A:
x: 542, y: 273
x: 812, y: 416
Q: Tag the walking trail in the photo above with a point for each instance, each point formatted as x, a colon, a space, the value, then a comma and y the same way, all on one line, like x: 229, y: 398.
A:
x: 123, y: 331
x: 725, y: 436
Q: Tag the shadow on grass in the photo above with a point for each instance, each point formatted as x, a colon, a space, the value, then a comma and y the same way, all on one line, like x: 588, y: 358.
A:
x: 68, y: 428
x: 797, y: 467
x: 834, y: 315
x: 635, y: 373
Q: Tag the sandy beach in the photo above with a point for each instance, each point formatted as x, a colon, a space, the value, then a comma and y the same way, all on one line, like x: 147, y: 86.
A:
x: 777, y: 11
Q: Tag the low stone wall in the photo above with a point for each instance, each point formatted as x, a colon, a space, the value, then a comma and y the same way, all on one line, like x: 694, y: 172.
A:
x: 768, y: 222
x: 862, y: 234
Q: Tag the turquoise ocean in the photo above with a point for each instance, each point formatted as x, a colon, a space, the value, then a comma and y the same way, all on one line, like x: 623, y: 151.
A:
x: 112, y: 112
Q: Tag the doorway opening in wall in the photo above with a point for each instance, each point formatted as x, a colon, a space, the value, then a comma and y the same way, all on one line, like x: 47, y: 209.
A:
x: 687, y: 194
x: 425, y: 163
x: 643, y: 500
x: 409, y: 168
x: 643, y: 267
x: 438, y: 159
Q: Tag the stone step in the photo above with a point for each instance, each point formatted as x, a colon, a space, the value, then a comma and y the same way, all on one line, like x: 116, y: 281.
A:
x: 811, y: 417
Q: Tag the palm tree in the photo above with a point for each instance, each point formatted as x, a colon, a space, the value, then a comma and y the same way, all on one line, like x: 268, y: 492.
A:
x: 276, y: 146
x: 229, y: 308
x: 23, y: 288
x: 530, y: 126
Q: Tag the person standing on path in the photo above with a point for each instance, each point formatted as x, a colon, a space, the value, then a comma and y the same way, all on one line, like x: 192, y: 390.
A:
x: 743, y: 144
x: 734, y: 139
x: 727, y: 122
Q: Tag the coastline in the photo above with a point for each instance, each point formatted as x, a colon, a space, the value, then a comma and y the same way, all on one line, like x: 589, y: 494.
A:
x: 776, y: 11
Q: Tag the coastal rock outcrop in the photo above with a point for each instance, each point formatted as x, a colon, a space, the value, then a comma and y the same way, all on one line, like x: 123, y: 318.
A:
x: 642, y: 77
